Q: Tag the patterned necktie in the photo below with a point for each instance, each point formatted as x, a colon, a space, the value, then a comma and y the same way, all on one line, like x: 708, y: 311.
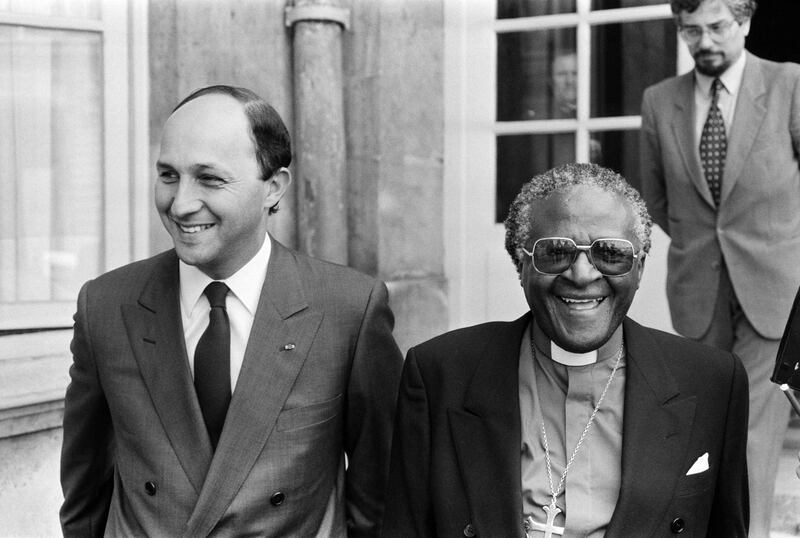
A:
x: 714, y: 144
x: 212, y: 370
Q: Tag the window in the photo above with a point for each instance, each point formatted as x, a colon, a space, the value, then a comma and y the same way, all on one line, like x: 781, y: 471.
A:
x: 69, y: 183
x: 570, y: 76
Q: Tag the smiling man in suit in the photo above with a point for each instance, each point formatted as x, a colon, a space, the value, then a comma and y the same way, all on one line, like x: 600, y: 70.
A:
x: 217, y: 387
x: 572, y: 420
x: 720, y: 175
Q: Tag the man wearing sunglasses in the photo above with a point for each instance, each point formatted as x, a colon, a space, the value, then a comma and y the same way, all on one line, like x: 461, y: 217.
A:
x: 573, y: 420
x: 721, y: 177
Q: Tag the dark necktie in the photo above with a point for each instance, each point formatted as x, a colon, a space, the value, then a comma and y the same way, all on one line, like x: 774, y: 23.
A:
x: 212, y: 370
x: 713, y: 144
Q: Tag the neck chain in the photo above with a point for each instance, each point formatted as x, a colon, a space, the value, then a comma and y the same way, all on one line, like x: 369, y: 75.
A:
x: 552, y: 510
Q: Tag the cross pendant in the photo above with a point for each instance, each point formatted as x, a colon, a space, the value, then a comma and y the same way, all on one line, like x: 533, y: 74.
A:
x: 549, y: 528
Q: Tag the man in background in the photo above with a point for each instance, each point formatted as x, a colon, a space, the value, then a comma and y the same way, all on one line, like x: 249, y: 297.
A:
x: 564, y: 80
x: 217, y: 387
x: 720, y: 176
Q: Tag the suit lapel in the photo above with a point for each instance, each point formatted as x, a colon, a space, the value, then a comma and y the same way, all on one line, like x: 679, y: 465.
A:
x: 486, y: 435
x: 268, y: 374
x: 748, y: 116
x: 155, y: 333
x: 683, y: 131
x: 656, y: 427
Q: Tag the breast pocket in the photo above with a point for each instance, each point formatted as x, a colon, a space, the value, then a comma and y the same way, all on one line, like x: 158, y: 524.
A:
x: 695, y: 483
x: 309, y: 415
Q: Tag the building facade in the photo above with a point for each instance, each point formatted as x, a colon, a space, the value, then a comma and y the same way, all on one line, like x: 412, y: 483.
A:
x: 414, y: 123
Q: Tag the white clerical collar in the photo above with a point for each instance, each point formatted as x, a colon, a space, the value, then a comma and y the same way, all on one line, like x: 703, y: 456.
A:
x: 568, y: 358
x: 246, y: 283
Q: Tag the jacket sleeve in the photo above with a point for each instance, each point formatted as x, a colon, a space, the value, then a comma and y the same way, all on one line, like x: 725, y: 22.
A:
x: 371, y: 396
x: 86, y: 453
x: 652, y: 172
x: 794, y: 111
x: 730, y: 513
x: 408, y: 509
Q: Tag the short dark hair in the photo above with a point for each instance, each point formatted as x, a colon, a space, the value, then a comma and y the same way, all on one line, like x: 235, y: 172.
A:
x: 521, y: 215
x: 270, y: 136
x: 741, y: 9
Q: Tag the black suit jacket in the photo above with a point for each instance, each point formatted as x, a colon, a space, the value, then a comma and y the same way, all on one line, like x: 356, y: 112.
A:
x: 456, y: 453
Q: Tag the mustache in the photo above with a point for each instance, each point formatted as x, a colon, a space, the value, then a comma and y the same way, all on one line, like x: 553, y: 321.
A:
x: 704, y: 52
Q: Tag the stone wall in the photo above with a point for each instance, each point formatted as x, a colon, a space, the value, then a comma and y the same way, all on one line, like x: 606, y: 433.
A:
x: 33, y: 377
x: 395, y: 143
x: 30, y: 494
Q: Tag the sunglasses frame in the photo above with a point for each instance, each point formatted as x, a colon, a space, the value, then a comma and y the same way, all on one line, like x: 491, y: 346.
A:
x: 579, y: 249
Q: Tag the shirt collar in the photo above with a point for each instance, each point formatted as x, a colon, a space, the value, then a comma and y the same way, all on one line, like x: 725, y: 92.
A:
x: 552, y: 351
x: 731, y: 78
x: 246, y: 283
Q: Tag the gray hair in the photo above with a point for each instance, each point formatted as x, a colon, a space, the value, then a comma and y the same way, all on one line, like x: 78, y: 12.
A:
x: 742, y: 9
x: 521, y: 214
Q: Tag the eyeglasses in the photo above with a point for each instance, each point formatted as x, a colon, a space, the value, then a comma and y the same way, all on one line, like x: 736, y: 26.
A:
x: 718, y: 32
x: 554, y: 255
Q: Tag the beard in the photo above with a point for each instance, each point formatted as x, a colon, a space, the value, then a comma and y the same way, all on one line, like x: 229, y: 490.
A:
x: 710, y: 63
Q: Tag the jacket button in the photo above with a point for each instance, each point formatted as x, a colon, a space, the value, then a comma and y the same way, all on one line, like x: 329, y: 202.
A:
x: 150, y: 488
x: 678, y: 525
x: 469, y: 531
x: 277, y: 498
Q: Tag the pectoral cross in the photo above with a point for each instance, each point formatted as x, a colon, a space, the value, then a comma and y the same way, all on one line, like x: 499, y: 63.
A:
x: 548, y: 528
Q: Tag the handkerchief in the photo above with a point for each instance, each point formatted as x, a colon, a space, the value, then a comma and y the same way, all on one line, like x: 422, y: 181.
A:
x: 699, y: 466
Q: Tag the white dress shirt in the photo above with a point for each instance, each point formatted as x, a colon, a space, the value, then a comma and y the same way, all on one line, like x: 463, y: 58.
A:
x: 241, y: 303
x: 731, y: 81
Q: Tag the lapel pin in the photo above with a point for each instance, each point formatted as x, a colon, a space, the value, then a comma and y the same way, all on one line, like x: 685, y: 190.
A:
x: 287, y: 347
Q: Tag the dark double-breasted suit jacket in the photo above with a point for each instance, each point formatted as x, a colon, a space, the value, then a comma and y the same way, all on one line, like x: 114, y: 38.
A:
x: 318, y: 380
x: 456, y: 455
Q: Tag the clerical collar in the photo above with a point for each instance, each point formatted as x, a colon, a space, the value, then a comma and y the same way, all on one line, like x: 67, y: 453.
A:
x: 552, y: 351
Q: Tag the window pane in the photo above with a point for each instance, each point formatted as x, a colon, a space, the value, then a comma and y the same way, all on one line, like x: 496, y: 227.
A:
x: 618, y: 150
x: 50, y: 163
x: 614, y: 4
x: 626, y: 58
x: 510, y: 9
x: 85, y: 9
x: 520, y: 157
x: 536, y: 75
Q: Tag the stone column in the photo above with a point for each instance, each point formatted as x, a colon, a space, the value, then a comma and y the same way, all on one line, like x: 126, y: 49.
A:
x: 319, y: 138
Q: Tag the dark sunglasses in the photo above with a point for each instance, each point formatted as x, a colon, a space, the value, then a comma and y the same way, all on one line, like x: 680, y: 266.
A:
x: 554, y: 255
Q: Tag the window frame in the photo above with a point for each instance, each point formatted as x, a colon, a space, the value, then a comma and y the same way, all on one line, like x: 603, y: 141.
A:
x: 122, y: 27
x: 582, y: 20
